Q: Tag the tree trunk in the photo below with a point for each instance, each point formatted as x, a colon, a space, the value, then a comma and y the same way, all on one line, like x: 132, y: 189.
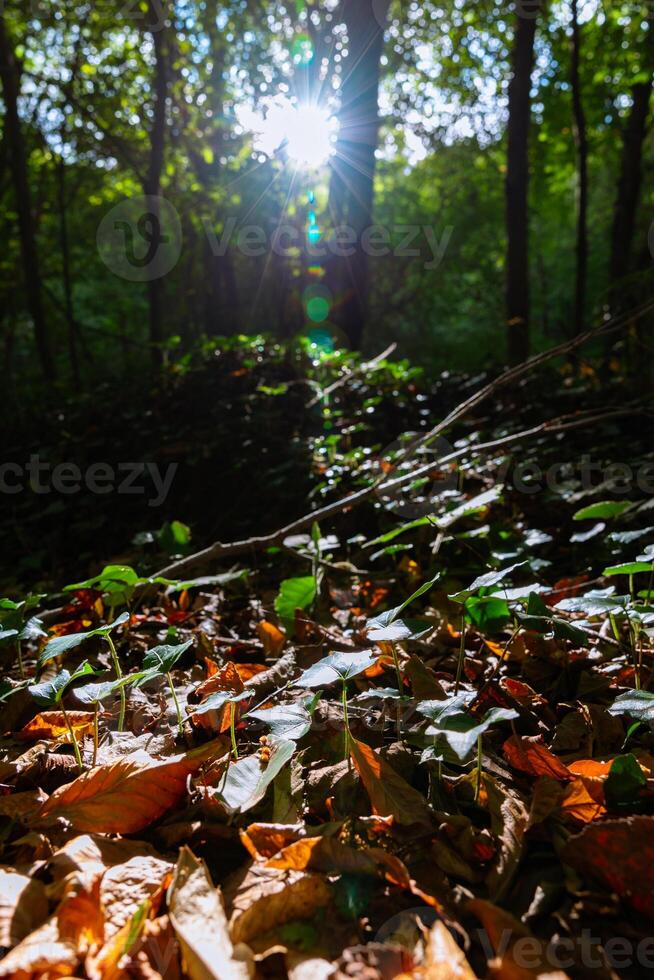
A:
x: 517, y: 187
x: 9, y: 74
x: 65, y: 271
x: 353, y: 168
x: 581, y: 145
x: 152, y: 184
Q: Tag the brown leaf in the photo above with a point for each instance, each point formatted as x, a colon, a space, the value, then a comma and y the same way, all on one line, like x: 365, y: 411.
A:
x: 23, y: 906
x: 584, y: 800
x: 266, y: 898
x: 51, y: 725
x: 531, y: 755
x: 424, y: 683
x: 619, y: 855
x: 126, y: 796
x: 272, y: 638
x: 263, y: 840
x: 514, y: 945
x: 509, y: 820
x: 127, y: 886
x: 390, y: 794
x: 444, y: 959
x: 198, y: 918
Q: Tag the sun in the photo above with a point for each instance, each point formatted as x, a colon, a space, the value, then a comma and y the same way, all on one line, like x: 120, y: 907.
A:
x: 305, y: 132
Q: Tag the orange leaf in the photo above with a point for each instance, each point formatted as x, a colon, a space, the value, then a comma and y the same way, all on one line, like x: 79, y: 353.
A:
x: 51, y: 724
x: 532, y: 756
x: 584, y: 800
x: 390, y: 794
x: 267, y: 839
x: 128, y: 795
x: 272, y: 638
x: 514, y: 945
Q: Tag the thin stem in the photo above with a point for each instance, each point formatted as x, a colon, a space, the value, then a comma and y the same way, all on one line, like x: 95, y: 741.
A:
x: 180, y: 719
x: 346, y: 721
x: 21, y: 665
x: 232, y: 729
x: 462, y: 654
x: 478, y: 781
x: 78, y: 754
x: 119, y: 674
x: 96, y: 734
x: 400, y: 687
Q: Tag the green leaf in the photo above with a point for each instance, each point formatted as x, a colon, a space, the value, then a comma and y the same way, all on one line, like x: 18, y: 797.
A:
x: 485, y: 581
x: 337, y: 667
x: 95, y: 693
x: 174, y: 537
x: 624, y: 782
x: 161, y: 660
x: 110, y: 575
x: 225, y: 578
x: 629, y: 568
x: 539, y: 618
x: 286, y: 721
x: 455, y: 727
x: 216, y: 701
x: 602, y: 510
x: 595, y: 603
x: 246, y: 781
x: 51, y: 692
x: 62, y: 644
x: 638, y: 704
x: 488, y: 613
x: 397, y: 630
x: 294, y: 593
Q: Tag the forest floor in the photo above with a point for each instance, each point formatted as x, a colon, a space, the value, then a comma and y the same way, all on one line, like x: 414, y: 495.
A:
x: 411, y: 741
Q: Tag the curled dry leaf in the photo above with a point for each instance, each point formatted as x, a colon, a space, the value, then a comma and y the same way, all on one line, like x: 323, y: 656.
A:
x: 23, y: 906
x: 272, y: 638
x: 21, y: 806
x: 126, y: 796
x: 390, y: 794
x: 52, y: 725
x: 264, y: 840
x: 443, y: 958
x: 198, y: 918
x: 266, y: 898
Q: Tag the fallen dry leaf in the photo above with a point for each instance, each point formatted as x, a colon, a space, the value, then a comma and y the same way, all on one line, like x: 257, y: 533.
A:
x: 390, y: 794
x: 51, y: 725
x: 518, y: 954
x: 23, y: 906
x: 126, y: 796
x: 198, y: 918
x: 266, y: 898
x: 531, y: 755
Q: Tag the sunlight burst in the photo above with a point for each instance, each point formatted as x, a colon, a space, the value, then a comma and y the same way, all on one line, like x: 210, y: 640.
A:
x: 306, y: 132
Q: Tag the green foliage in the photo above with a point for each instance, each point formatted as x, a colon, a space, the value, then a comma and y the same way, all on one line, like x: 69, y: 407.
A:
x: 295, y: 593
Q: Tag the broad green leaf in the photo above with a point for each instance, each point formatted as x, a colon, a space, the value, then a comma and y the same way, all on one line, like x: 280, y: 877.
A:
x: 216, y: 701
x: 460, y: 730
x: 62, y: 644
x: 95, y: 693
x: 629, y: 568
x: 161, y: 660
x: 51, y: 692
x: 285, y: 721
x: 486, y: 581
x: 539, y: 618
x: 337, y: 667
x: 602, y: 510
x: 624, y: 782
x: 398, y: 630
x: 110, y: 575
x: 595, y: 602
x: 294, y: 593
x: 246, y: 781
x: 638, y: 704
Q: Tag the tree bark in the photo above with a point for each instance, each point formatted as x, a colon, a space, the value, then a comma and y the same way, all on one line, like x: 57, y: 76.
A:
x: 581, y: 146
x: 64, y: 245
x: 353, y: 168
x: 9, y: 73
x: 152, y: 183
x: 517, y: 188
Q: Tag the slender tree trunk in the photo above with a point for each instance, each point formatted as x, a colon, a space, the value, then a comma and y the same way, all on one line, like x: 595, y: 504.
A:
x: 152, y: 184
x: 517, y: 188
x: 351, y: 190
x: 65, y: 271
x: 9, y: 74
x: 581, y: 145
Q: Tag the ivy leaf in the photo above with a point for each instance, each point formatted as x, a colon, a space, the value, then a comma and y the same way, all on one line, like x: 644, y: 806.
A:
x: 51, y: 692
x: 246, y: 781
x: 339, y: 666
x: 638, y: 704
x: 62, y: 644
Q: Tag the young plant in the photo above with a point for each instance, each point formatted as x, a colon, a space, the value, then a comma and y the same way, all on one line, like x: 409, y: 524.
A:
x: 338, y: 667
x: 159, y: 662
x: 215, y: 702
x: 457, y: 731
x: 95, y: 694
x: 49, y: 694
x: 62, y: 644
x: 16, y: 627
